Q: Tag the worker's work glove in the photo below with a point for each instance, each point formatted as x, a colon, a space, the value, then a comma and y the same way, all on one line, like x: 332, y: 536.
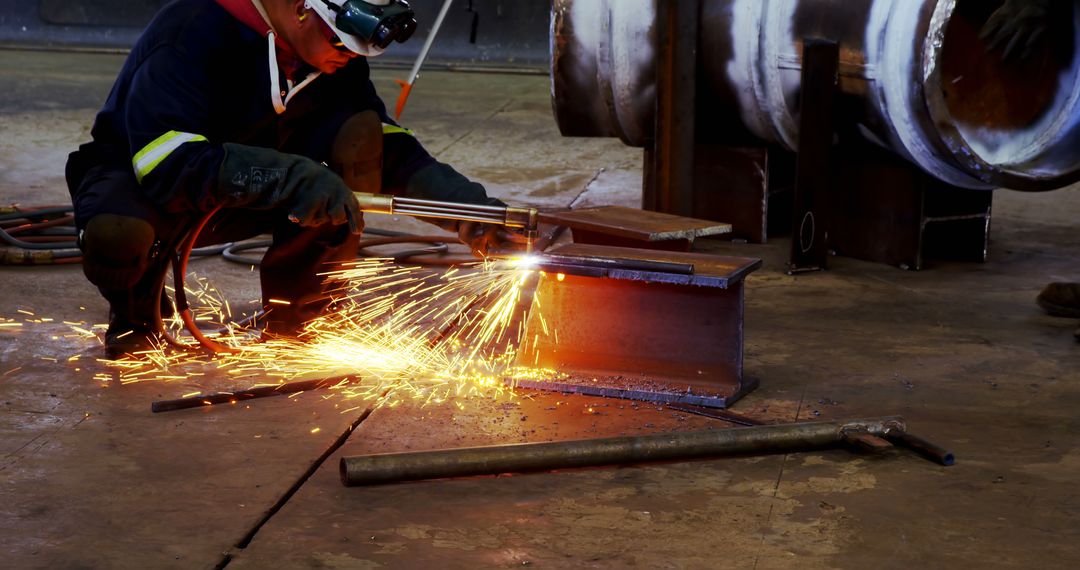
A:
x: 263, y: 178
x: 1016, y: 28
x: 441, y: 182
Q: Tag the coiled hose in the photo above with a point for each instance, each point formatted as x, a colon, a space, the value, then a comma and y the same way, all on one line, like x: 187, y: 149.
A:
x: 46, y: 235
x: 38, y: 236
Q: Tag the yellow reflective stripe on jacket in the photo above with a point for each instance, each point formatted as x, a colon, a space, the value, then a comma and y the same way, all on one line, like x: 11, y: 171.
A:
x: 152, y: 154
x: 391, y: 129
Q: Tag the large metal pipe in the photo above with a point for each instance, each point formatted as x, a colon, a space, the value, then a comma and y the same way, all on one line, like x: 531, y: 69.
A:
x: 516, y: 458
x: 915, y: 77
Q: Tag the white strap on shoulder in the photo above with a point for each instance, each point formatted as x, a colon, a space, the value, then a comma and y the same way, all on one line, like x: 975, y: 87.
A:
x: 276, y: 93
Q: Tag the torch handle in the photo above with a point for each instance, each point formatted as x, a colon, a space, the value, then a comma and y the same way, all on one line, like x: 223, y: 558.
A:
x: 526, y: 219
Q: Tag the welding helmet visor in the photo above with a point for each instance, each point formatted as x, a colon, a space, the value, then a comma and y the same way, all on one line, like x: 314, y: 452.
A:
x: 367, y: 27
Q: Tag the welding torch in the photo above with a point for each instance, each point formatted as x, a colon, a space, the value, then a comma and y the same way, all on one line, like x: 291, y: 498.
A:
x: 524, y: 219
x: 527, y: 220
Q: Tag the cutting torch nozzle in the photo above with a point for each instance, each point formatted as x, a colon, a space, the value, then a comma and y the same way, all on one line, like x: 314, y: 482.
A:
x: 525, y: 219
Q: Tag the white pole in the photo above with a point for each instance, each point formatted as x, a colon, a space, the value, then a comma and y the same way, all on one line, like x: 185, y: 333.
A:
x: 427, y: 42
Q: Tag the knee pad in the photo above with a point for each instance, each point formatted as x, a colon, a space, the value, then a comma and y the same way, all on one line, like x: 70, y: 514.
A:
x: 357, y: 152
x: 116, y: 250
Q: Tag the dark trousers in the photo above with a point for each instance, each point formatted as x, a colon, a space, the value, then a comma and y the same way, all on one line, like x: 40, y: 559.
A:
x: 290, y: 269
x: 289, y: 272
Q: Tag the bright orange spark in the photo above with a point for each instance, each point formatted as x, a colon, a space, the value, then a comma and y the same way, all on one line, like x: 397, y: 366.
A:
x: 402, y: 329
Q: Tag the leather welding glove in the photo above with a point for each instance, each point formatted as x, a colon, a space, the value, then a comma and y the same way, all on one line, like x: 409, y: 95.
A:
x: 263, y: 178
x: 1016, y: 27
x: 441, y: 182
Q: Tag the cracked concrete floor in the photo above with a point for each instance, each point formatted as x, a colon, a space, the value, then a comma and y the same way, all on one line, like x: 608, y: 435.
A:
x: 89, y: 478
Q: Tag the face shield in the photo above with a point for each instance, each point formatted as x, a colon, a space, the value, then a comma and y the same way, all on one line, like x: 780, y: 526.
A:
x: 367, y: 27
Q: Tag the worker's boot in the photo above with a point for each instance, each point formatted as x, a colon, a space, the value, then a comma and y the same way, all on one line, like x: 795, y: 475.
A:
x: 293, y: 274
x: 292, y: 284
x: 1060, y: 299
x: 280, y: 323
x: 131, y: 324
x: 117, y: 252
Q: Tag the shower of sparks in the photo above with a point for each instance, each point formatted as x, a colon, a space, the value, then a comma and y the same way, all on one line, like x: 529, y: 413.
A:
x: 407, y: 330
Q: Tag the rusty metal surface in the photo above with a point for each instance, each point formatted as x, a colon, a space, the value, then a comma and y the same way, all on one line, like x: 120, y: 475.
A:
x: 600, y: 238
x: 1012, y: 121
x: 674, y: 393
x: 982, y: 90
x: 640, y: 225
x: 910, y: 219
x: 606, y: 266
x: 655, y: 336
x: 732, y: 184
x: 926, y: 449
x: 708, y: 270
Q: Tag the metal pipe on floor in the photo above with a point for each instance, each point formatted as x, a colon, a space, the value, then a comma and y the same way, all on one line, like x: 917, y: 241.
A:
x: 492, y: 460
x: 920, y: 446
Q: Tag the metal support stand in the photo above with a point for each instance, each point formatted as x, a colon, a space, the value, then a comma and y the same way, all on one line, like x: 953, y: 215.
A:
x: 814, y: 166
x: 732, y: 183
x: 850, y: 197
x: 669, y: 162
x: 887, y: 211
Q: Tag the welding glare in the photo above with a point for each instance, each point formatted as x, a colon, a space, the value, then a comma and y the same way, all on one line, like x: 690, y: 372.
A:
x: 525, y: 262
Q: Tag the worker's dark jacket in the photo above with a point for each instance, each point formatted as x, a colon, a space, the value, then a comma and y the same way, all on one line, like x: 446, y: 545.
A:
x: 199, y: 77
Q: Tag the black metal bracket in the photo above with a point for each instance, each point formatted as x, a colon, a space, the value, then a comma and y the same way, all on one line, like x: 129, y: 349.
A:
x: 814, y: 164
x: 669, y: 160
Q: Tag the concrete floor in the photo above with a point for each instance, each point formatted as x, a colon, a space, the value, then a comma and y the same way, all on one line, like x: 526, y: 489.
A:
x: 89, y: 478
